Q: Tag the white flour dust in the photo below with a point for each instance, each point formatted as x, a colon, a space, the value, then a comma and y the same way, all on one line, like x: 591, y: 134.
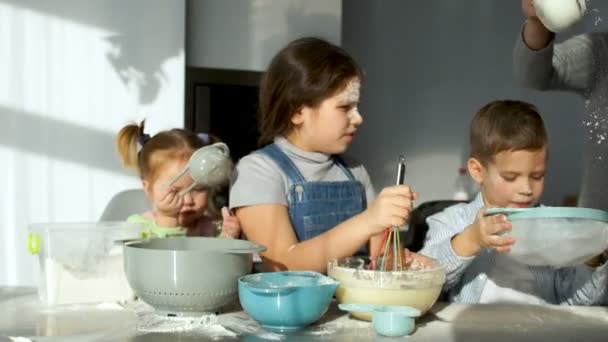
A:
x: 350, y: 96
x: 596, y: 123
x: 149, y: 321
x: 596, y: 16
x: 351, y: 92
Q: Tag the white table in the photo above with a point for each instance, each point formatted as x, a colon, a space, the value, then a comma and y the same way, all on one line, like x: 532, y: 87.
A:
x: 22, y: 315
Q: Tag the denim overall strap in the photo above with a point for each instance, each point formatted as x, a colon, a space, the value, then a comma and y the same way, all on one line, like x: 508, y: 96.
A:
x: 285, y: 164
x: 342, y: 165
x: 316, y: 207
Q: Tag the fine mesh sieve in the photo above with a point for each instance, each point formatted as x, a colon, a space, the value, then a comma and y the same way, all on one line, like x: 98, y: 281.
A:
x: 556, y: 236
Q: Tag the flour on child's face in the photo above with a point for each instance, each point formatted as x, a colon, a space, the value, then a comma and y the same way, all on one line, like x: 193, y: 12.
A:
x: 350, y: 95
x: 330, y: 127
x: 351, y: 92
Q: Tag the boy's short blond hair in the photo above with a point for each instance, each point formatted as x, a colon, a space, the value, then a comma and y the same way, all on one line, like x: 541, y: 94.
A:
x: 506, y: 125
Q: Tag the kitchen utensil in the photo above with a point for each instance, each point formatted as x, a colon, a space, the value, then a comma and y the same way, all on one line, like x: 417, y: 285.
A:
x: 394, y: 321
x: 388, y: 320
x: 286, y: 301
x: 558, y: 15
x: 555, y: 236
x: 389, y: 255
x: 187, y: 276
x: 209, y: 166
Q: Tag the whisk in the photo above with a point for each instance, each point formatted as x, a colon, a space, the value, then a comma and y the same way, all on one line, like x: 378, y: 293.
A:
x: 391, y: 244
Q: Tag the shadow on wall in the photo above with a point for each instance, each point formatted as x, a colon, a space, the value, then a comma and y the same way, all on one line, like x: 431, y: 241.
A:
x: 74, y: 145
x: 144, y: 73
x: 135, y: 68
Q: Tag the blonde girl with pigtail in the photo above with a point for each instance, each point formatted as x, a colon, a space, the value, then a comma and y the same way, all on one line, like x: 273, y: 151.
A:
x: 157, y: 160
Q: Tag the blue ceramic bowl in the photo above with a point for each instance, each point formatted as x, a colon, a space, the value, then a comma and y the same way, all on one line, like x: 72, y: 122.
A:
x: 286, y: 301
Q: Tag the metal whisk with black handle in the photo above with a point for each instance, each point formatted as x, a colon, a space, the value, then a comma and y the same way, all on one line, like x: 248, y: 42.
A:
x: 391, y: 243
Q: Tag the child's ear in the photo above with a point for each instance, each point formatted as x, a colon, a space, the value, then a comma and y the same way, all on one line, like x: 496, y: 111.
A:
x: 298, y: 117
x: 147, y: 186
x: 476, y: 170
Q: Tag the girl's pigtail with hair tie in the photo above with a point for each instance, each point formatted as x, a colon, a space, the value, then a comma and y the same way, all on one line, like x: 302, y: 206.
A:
x: 205, y: 138
x: 143, y: 138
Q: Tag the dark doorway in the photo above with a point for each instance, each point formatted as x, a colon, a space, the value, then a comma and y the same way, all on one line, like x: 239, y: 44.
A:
x: 224, y: 103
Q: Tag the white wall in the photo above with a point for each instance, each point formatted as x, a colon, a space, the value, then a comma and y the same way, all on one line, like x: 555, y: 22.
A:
x: 429, y: 66
x: 244, y: 35
x: 73, y: 73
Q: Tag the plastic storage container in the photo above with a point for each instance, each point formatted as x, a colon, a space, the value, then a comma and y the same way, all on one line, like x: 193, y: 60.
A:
x: 80, y: 262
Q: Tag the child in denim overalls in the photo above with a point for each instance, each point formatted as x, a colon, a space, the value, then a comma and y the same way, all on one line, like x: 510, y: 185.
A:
x: 296, y: 195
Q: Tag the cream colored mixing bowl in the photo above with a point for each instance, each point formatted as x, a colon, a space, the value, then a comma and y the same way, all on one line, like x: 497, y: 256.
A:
x: 417, y: 287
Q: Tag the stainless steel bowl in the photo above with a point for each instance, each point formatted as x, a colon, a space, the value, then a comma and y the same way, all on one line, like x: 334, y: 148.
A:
x: 186, y: 276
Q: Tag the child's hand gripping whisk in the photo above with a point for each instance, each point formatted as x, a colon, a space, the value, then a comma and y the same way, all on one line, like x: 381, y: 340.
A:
x: 390, y: 247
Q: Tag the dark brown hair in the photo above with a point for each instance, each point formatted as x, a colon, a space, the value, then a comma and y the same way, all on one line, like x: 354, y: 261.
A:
x: 506, y: 125
x: 304, y: 73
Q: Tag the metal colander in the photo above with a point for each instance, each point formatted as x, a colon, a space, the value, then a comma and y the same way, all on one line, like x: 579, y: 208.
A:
x: 186, y: 276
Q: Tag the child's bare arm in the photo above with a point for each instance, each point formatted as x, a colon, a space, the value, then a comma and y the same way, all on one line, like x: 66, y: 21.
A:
x: 270, y: 225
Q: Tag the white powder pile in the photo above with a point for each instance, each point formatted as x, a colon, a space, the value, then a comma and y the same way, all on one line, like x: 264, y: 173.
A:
x: 205, y: 325
x: 270, y: 336
x: 101, y: 281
